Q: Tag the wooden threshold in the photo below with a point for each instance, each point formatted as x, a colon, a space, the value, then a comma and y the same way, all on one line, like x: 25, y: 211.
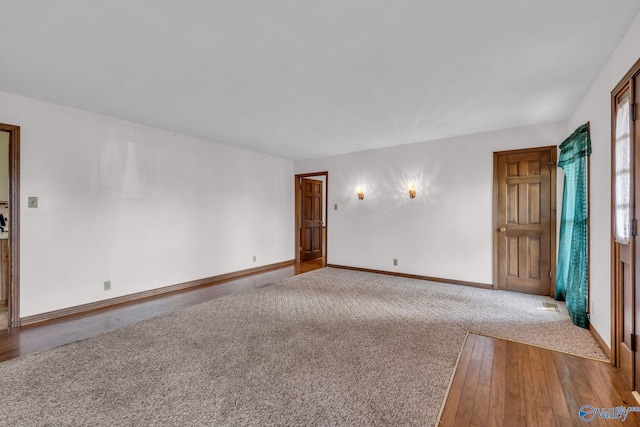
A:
x: 415, y: 276
x: 84, y: 308
x: 504, y: 383
x: 306, y: 266
x: 603, y: 345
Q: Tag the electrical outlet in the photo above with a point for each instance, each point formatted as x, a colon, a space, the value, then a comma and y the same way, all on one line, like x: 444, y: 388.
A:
x: 107, y: 285
x: 32, y: 202
x: 254, y: 258
x: 395, y: 261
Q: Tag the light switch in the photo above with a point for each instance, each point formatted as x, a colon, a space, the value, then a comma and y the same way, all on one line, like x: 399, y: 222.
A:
x: 33, y: 202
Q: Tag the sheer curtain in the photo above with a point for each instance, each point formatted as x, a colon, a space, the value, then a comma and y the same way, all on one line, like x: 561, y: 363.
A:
x: 623, y: 171
x: 572, y: 274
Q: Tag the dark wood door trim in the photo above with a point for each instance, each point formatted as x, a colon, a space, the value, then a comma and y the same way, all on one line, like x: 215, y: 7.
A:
x: 14, y: 223
x: 298, y: 211
x: 553, y: 156
x: 628, y: 82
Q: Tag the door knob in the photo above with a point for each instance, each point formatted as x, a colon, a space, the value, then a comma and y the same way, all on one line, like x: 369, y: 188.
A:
x: 502, y: 229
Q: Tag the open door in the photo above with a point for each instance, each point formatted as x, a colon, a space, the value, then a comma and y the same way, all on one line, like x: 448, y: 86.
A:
x: 625, y: 200
x: 311, y: 216
x: 311, y: 237
x: 10, y: 235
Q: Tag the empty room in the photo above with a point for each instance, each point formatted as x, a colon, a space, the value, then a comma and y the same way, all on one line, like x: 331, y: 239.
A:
x: 329, y: 213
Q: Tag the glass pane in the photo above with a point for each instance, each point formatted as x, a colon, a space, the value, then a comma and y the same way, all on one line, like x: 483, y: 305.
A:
x: 623, y: 172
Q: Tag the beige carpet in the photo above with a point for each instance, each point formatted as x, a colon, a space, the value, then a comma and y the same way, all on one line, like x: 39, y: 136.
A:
x: 330, y: 347
x: 521, y: 317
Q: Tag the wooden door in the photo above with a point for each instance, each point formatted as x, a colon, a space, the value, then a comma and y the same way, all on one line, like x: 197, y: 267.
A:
x: 523, y: 219
x: 635, y: 138
x: 311, y: 230
x: 625, y: 272
x: 625, y: 181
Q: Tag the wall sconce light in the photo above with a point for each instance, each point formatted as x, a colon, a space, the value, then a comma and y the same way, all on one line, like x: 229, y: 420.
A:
x: 412, y: 190
x: 360, y: 193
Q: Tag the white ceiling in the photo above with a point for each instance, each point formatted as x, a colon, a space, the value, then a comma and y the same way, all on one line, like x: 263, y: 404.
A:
x: 303, y: 79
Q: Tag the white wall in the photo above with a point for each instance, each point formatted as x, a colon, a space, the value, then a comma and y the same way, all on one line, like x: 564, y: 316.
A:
x: 595, y: 107
x: 142, y: 207
x: 447, y: 230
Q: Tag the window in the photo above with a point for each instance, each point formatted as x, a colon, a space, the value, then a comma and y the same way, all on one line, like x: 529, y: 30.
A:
x: 623, y: 170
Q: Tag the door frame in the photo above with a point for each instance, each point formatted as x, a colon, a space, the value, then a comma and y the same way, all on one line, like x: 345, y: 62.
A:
x: 14, y: 223
x: 553, y: 183
x: 616, y: 313
x: 298, y: 213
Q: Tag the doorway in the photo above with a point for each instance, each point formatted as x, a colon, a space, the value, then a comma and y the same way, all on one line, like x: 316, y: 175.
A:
x: 9, y: 225
x: 524, y: 219
x: 311, y: 220
x: 625, y: 182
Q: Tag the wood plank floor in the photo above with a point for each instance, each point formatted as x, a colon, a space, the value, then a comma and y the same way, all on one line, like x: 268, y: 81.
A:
x: 504, y: 383
x: 306, y: 266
